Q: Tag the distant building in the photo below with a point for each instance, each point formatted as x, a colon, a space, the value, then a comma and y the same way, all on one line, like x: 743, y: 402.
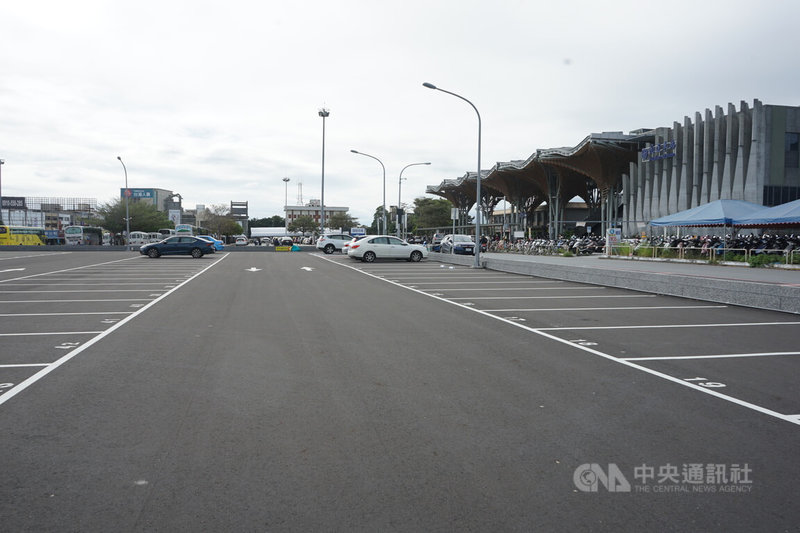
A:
x: 314, y: 210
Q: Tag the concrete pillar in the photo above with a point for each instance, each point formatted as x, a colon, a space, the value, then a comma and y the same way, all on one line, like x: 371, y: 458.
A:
x: 647, y: 208
x: 745, y: 135
x: 718, y: 155
x: 754, y: 184
x: 708, y: 159
x: 687, y: 157
x: 678, y: 180
x: 697, y: 161
x: 731, y: 152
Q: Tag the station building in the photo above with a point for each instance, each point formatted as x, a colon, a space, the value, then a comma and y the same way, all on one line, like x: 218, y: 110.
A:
x: 749, y: 153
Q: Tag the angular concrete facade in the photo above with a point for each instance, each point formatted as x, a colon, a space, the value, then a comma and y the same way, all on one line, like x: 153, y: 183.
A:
x: 749, y: 153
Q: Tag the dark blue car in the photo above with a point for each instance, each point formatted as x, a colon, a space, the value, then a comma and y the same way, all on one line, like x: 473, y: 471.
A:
x: 178, y: 245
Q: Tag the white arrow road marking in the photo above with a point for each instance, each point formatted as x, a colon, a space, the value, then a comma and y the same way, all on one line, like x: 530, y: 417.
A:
x: 12, y: 270
x: 307, y: 269
x: 252, y: 269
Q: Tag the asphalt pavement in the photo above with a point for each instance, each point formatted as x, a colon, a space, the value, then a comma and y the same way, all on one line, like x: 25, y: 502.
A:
x: 304, y: 392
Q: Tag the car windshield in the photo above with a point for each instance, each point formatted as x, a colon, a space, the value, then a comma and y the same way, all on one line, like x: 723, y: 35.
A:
x: 462, y: 238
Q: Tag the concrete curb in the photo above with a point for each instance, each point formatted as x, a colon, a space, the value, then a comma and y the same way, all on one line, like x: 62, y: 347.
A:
x: 772, y: 296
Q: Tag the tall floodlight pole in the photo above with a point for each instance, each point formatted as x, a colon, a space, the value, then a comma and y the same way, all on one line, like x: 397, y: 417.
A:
x: 127, y: 211
x: 286, y: 205
x: 399, y: 193
x: 385, y: 227
x: 477, y: 263
x: 324, y: 113
x: 1, y: 190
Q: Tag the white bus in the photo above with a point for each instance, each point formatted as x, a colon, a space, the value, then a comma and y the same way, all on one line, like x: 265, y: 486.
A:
x: 155, y: 236
x: 138, y: 238
x: 83, y: 235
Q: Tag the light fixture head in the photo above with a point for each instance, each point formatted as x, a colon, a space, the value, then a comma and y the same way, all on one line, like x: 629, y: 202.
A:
x: 324, y: 112
x: 429, y: 85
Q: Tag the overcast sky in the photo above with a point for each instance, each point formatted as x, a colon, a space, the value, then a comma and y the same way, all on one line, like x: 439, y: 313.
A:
x: 218, y: 101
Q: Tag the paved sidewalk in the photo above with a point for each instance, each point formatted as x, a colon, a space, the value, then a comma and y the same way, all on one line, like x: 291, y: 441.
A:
x: 764, y: 288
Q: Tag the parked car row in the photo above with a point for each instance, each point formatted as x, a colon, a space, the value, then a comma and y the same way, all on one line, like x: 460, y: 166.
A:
x: 457, y: 244
x: 373, y: 247
x: 179, y: 245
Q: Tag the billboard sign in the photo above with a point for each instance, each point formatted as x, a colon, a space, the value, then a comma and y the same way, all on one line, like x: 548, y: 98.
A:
x: 13, y: 202
x: 137, y: 193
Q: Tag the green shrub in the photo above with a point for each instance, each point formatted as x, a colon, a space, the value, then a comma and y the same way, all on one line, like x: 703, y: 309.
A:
x: 733, y: 256
x: 568, y: 254
x: 669, y: 253
x: 764, y: 259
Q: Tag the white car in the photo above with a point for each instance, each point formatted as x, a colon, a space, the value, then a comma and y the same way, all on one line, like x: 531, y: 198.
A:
x: 241, y: 241
x: 385, y: 247
x: 331, y: 243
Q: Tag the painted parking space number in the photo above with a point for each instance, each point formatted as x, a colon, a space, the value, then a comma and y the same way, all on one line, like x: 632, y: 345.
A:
x: 67, y: 345
x: 583, y: 342
x: 703, y: 382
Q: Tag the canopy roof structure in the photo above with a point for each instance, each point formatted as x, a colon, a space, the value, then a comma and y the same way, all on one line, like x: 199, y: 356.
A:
x: 717, y: 213
x: 783, y: 215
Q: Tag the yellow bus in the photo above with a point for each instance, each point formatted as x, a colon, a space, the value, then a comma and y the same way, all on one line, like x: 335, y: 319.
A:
x: 21, y: 235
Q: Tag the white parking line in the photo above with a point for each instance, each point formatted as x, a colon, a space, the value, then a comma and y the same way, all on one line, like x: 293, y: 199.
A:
x: 606, y: 308
x: 40, y: 283
x: 67, y: 270
x: 794, y: 419
x: 720, y: 356
x: 40, y: 333
x: 24, y: 365
x: 527, y: 297
x: 80, y: 291
x: 73, y: 301
x: 481, y: 282
x: 568, y: 297
x: 67, y: 314
x: 657, y: 326
x: 42, y: 254
x: 516, y: 289
x: 445, y: 276
x: 10, y: 393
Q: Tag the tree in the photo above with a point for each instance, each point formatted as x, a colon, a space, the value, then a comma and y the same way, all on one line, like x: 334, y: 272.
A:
x: 275, y: 221
x: 341, y: 220
x: 431, y: 213
x: 230, y: 227
x: 216, y: 218
x: 144, y: 217
x: 377, y: 219
x: 303, y: 224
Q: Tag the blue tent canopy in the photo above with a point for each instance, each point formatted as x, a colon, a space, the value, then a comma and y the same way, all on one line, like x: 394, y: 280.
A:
x: 781, y: 215
x: 717, y: 213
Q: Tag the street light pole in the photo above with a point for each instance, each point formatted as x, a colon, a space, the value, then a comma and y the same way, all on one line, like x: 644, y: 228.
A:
x: 399, y: 194
x: 2, y: 162
x: 324, y: 113
x: 385, y: 227
x: 286, y: 205
x: 127, y: 212
x: 477, y: 263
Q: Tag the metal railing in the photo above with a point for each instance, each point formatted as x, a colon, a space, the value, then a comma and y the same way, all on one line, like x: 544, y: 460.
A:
x: 708, y: 254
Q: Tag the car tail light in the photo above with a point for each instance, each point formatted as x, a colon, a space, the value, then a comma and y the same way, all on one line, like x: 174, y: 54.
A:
x: 354, y: 246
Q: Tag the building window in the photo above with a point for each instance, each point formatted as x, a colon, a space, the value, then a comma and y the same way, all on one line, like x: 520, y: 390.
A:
x: 792, y: 159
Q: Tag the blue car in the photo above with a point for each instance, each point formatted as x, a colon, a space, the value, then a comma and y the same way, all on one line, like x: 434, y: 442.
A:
x: 178, y: 245
x: 218, y: 244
